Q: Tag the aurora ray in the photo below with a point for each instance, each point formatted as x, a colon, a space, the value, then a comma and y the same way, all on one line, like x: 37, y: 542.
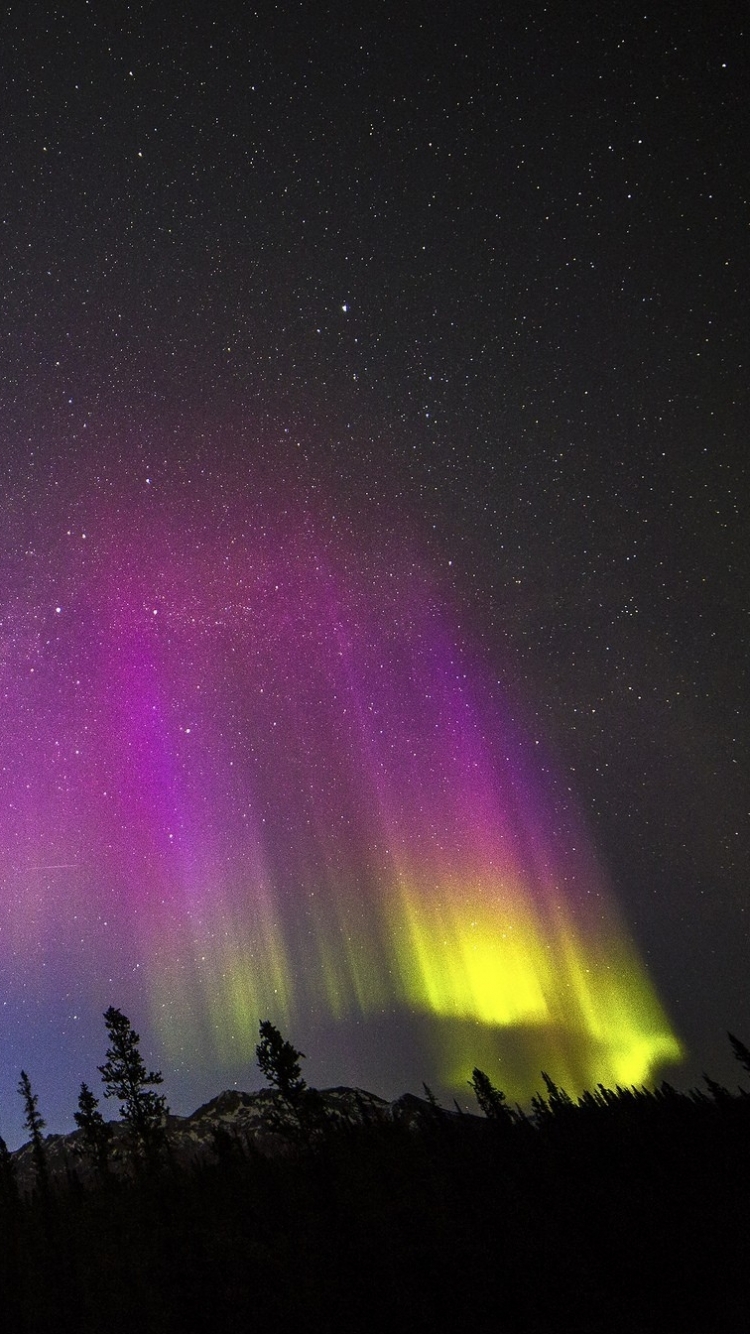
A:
x: 299, y: 793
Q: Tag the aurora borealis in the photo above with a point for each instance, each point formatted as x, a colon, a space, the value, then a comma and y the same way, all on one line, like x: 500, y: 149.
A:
x: 302, y: 797
x: 373, y: 554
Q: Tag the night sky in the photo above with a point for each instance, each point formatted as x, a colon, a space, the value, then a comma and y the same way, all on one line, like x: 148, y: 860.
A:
x: 374, y: 580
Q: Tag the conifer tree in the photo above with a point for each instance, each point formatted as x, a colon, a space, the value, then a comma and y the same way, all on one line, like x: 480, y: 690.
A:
x: 431, y: 1099
x: 541, y: 1108
x: 279, y: 1061
x: 718, y: 1092
x: 97, y: 1133
x: 35, y: 1124
x: 125, y: 1076
x: 491, y: 1100
x: 558, y: 1098
x: 741, y: 1052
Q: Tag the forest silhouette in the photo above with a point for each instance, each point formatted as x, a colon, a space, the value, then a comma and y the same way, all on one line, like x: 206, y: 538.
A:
x: 623, y: 1209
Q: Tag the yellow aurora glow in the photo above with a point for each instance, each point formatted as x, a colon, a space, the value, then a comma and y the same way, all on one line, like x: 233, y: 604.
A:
x: 507, y: 983
x: 584, y: 1004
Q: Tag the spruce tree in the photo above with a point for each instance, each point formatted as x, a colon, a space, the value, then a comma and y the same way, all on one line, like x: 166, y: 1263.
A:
x: 35, y: 1124
x: 430, y: 1096
x: 279, y: 1061
x: 302, y: 1109
x: 718, y: 1092
x: 741, y: 1052
x: 559, y: 1100
x: 491, y: 1100
x: 97, y: 1133
x: 125, y: 1076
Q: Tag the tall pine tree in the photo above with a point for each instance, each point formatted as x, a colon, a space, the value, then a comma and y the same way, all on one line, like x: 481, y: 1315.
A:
x: 97, y: 1133
x: 301, y: 1110
x: 741, y: 1052
x: 35, y: 1124
x: 491, y: 1100
x: 125, y: 1076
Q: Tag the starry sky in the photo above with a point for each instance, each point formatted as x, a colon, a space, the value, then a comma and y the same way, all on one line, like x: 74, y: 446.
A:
x: 374, y: 588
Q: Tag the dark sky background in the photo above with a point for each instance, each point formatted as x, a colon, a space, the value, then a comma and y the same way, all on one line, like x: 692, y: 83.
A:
x: 445, y: 306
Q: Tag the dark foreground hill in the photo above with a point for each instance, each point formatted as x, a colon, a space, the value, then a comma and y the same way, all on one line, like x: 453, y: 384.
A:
x: 626, y: 1212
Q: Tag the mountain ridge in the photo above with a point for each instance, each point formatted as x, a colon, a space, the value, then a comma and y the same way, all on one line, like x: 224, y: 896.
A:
x: 233, y: 1118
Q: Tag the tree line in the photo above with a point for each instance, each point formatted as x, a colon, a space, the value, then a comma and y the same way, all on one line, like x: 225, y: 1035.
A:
x: 622, y: 1209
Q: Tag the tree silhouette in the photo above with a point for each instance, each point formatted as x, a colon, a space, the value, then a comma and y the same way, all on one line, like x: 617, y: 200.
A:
x: 35, y: 1124
x: 430, y: 1096
x: 97, y: 1133
x: 491, y: 1100
x: 279, y: 1061
x: 125, y: 1076
x: 718, y: 1092
x: 741, y: 1052
x: 302, y: 1110
x: 558, y: 1098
